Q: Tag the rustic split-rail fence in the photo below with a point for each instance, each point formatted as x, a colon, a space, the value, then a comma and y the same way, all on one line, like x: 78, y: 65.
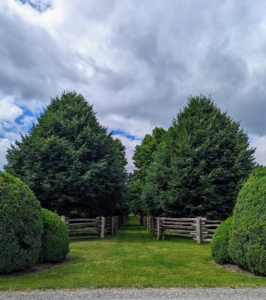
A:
x: 199, y: 229
x: 84, y: 228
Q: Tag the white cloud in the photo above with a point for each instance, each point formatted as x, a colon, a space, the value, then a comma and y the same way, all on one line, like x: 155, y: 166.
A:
x: 9, y: 129
x: 12, y: 136
x: 9, y: 111
x: 4, y: 144
x: 130, y: 147
x: 135, y: 61
x: 259, y: 142
x: 26, y: 122
x: 130, y: 126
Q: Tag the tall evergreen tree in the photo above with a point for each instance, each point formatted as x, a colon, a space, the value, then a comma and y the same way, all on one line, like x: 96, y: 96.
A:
x: 70, y: 161
x: 200, y: 166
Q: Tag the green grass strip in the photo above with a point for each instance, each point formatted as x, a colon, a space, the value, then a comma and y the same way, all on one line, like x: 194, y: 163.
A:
x: 133, y: 258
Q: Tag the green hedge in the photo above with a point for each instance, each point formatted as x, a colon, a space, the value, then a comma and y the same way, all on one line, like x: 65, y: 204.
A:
x: 55, y: 240
x: 247, y: 244
x: 21, y: 225
x: 220, y: 242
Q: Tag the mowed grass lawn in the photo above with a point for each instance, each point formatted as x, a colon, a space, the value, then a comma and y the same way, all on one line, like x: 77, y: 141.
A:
x: 133, y: 258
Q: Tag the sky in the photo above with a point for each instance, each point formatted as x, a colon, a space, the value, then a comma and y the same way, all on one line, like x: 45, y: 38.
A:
x: 135, y: 61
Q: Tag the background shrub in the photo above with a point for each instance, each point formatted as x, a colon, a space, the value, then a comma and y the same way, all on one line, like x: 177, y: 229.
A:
x: 21, y: 225
x: 247, y: 244
x: 220, y: 242
x: 55, y: 240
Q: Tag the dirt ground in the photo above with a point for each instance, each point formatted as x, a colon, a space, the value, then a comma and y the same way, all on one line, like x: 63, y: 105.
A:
x: 34, y: 269
x: 235, y: 268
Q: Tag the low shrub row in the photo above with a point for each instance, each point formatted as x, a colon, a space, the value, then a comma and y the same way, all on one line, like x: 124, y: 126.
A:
x: 241, y: 239
x: 55, y: 240
x: 28, y: 233
x: 220, y: 242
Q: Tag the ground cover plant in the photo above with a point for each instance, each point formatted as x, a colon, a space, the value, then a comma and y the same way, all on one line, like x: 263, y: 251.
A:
x: 132, y: 257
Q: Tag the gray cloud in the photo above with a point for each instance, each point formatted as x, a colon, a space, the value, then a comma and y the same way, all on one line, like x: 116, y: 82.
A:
x: 33, y: 64
x: 38, y: 5
x: 224, y: 68
x: 137, y: 61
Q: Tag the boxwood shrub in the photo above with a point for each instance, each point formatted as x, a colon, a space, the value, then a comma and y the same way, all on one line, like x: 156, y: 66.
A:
x: 55, y: 240
x: 21, y: 225
x: 220, y: 242
x: 247, y: 243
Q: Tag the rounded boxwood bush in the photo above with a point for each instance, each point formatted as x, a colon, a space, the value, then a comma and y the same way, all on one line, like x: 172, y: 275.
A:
x: 220, y: 242
x: 21, y: 225
x: 247, y: 243
x: 55, y: 240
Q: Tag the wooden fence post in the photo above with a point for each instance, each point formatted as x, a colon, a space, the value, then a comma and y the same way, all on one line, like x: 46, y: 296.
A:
x: 158, y: 229
x: 198, y: 230
x: 162, y: 232
x: 116, y: 223
x: 98, y: 224
x: 102, y: 227
x: 112, y: 225
x: 154, y: 225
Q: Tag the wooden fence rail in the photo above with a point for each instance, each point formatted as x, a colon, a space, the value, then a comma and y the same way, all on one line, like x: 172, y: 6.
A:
x: 83, y: 228
x: 199, y: 229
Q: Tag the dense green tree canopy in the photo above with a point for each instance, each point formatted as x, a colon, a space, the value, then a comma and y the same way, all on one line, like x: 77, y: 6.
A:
x: 143, y: 157
x: 70, y: 161
x: 143, y: 154
x: 200, y: 166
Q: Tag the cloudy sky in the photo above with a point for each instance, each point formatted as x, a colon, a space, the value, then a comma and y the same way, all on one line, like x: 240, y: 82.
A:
x: 135, y: 61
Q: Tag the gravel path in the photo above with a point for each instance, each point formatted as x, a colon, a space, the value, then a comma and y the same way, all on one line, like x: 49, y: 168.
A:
x: 134, y: 294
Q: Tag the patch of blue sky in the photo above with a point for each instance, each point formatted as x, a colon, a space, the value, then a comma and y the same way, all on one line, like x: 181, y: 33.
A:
x: 26, y: 120
x: 251, y: 138
x: 125, y: 134
x: 37, y: 5
x: 6, y: 127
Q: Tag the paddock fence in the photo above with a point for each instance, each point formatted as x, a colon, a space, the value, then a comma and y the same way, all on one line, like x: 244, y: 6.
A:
x: 85, y: 228
x: 199, y: 228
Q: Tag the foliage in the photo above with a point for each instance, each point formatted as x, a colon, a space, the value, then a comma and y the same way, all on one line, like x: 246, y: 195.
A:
x: 20, y: 225
x: 134, y: 192
x: 200, y: 166
x: 55, y: 240
x: 247, y: 245
x: 143, y: 154
x: 220, y: 242
x: 143, y: 157
x: 175, y: 262
x: 70, y: 161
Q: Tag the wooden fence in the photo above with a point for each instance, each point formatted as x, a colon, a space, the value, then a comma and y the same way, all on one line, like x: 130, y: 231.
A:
x: 199, y: 229
x: 84, y: 228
